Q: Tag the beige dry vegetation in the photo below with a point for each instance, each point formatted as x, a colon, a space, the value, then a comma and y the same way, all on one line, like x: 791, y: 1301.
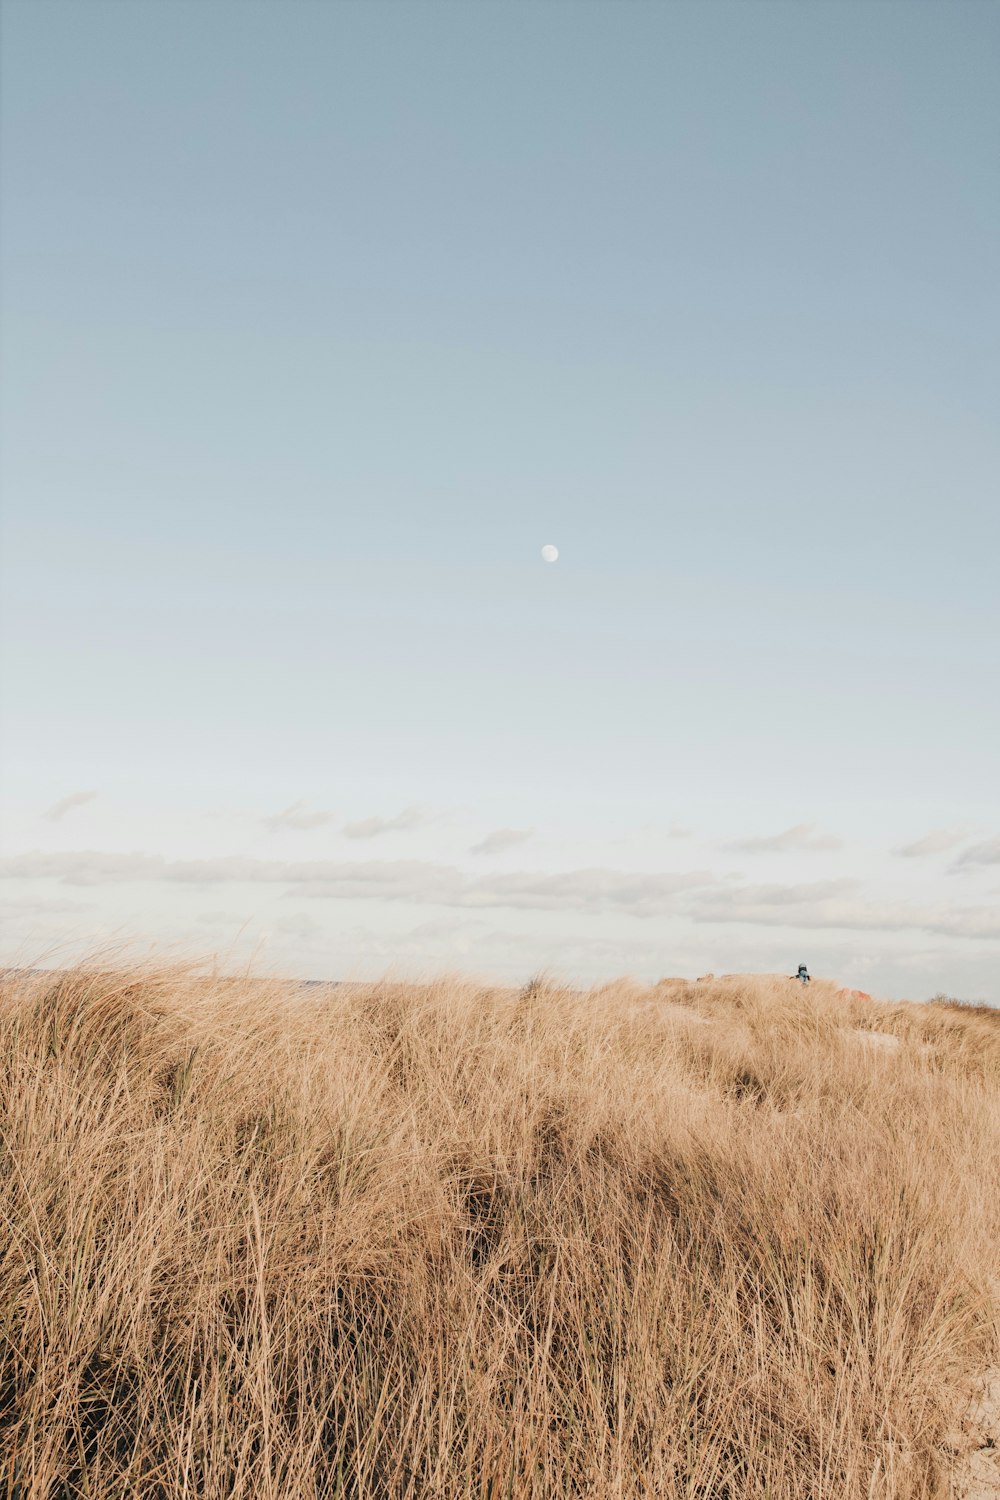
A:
x: 447, y: 1240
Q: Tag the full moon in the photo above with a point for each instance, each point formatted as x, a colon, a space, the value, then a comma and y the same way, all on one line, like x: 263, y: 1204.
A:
x: 549, y: 552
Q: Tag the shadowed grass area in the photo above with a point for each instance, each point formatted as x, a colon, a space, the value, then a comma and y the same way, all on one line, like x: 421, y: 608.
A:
x: 712, y: 1241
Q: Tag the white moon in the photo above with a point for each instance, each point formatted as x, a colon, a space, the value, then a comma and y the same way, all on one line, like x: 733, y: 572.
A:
x: 549, y: 552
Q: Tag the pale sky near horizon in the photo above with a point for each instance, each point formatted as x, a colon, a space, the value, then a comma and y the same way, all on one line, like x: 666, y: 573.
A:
x: 320, y: 319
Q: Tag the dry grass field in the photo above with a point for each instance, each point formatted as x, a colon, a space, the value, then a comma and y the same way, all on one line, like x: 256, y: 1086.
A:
x: 718, y: 1241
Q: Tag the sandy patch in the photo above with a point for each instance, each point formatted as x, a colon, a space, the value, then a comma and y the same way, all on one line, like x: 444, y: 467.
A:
x: 879, y: 1041
x: 976, y: 1443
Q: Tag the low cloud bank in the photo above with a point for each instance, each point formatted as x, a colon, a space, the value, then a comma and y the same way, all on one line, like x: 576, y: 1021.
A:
x: 838, y: 906
x: 386, y: 880
x: 701, y: 896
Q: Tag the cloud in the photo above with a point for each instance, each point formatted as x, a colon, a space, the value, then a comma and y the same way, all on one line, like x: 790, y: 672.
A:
x: 595, y: 890
x: 87, y: 867
x: 804, y: 836
x: 698, y: 895
x: 500, y: 839
x: 836, y: 904
x: 450, y: 927
x: 675, y: 831
x: 639, y: 895
x: 987, y: 853
x: 370, y: 828
x: 592, y: 890
x: 378, y: 880
x: 59, y: 809
x: 30, y: 906
x: 297, y: 816
x: 935, y: 842
x: 781, y: 895
x: 299, y: 925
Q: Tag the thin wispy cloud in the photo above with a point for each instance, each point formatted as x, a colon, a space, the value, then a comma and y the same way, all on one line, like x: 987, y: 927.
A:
x: 803, y: 837
x: 371, y: 828
x: 938, y: 841
x: 987, y: 853
x: 59, y: 809
x: 298, y: 815
x: 640, y: 895
x: 730, y: 898
x: 501, y: 839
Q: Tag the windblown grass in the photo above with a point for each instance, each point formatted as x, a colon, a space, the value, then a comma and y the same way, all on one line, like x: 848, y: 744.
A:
x: 698, y: 1241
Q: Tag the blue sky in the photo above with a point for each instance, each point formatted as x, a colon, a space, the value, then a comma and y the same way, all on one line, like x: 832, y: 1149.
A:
x: 320, y: 319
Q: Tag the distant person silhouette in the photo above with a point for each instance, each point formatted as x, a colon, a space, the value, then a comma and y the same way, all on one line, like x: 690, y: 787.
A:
x: 802, y: 975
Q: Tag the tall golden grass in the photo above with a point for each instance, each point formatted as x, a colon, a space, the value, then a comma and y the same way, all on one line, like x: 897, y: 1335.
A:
x: 709, y: 1241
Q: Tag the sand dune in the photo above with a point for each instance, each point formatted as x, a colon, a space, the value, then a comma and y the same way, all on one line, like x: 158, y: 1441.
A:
x: 723, y: 1239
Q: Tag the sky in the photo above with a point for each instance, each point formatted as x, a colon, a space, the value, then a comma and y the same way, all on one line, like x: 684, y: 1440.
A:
x: 320, y: 319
